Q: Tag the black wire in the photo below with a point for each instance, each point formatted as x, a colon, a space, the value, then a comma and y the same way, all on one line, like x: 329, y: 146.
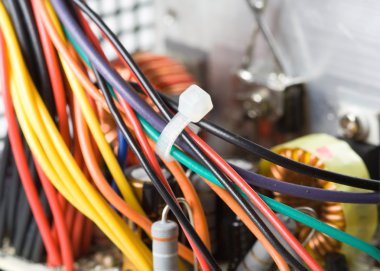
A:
x: 33, y: 246
x: 23, y: 215
x: 22, y: 35
x: 182, y: 219
x: 255, y: 217
x: 36, y: 53
x: 29, y: 40
x: 152, y: 175
x: 275, y: 158
x: 22, y: 221
x: 196, y: 150
x: 224, y: 180
x: 2, y: 219
x: 5, y: 155
x: 12, y: 194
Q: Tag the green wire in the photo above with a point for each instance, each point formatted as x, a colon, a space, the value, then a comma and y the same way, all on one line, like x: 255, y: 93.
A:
x: 273, y: 204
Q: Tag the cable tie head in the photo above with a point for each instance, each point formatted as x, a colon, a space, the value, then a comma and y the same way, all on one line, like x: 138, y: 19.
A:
x: 194, y: 104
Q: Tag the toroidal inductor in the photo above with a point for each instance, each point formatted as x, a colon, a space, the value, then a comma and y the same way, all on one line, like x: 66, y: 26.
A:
x: 328, y: 212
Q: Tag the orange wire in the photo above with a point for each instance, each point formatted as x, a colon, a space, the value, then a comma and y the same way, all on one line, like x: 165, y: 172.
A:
x: 191, y: 197
x: 227, y: 198
x: 87, y: 84
x: 107, y: 191
x: 141, y: 137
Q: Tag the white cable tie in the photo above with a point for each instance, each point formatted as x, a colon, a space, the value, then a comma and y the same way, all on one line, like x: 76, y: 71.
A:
x: 194, y: 104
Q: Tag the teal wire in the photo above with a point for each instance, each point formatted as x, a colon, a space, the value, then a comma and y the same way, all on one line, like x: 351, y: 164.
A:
x: 273, y: 204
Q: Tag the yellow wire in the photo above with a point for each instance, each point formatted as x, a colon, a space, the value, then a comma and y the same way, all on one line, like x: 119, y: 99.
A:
x: 83, y: 208
x: 57, y: 181
x: 101, y: 213
x: 95, y: 128
x: 94, y: 125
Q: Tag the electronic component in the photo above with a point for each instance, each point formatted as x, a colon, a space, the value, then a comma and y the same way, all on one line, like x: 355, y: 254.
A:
x: 165, y: 245
x: 145, y: 191
x: 258, y: 258
x: 323, y: 151
x: 81, y: 185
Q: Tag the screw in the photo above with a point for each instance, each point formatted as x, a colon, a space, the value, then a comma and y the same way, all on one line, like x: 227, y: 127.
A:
x: 353, y: 126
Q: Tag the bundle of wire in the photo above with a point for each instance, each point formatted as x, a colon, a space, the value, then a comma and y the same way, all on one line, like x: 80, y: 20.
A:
x: 71, y: 79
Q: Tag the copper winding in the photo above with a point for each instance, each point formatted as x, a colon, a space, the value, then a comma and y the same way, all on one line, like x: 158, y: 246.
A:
x: 165, y: 74
x: 328, y: 212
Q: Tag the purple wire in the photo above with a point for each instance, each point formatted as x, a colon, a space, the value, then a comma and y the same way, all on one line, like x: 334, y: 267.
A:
x: 306, y: 192
x: 158, y: 123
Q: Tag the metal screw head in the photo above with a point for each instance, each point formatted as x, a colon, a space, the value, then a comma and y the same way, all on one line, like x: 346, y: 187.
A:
x: 257, y: 104
x: 258, y: 4
x: 353, y: 126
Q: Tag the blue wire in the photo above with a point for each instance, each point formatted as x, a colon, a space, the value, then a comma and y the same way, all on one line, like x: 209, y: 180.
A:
x: 123, y: 148
x: 121, y: 157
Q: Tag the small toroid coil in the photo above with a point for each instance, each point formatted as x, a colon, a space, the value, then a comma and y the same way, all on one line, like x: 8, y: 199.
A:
x: 328, y: 212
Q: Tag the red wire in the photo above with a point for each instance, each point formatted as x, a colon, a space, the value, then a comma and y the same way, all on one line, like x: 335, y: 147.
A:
x: 59, y: 220
x: 78, y: 231
x: 255, y: 198
x: 143, y: 141
x: 56, y: 80
x: 22, y: 164
x: 141, y: 137
x: 59, y: 95
x: 61, y: 105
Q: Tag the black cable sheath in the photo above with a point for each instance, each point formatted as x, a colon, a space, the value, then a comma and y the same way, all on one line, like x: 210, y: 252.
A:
x: 182, y: 219
x: 187, y: 139
x: 33, y: 247
x: 2, y: 219
x: 22, y: 35
x: 150, y: 172
x: 29, y: 40
x: 24, y: 216
x: 257, y: 220
x: 23, y: 219
x: 5, y: 155
x: 12, y: 195
x: 275, y: 158
x: 37, y: 54
x: 254, y: 216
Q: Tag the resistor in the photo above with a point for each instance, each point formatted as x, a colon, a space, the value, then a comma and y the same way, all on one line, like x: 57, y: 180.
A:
x: 165, y: 245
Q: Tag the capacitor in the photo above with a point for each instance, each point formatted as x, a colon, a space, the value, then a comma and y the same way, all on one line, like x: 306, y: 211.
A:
x: 209, y: 201
x: 165, y: 245
x: 145, y: 191
x: 240, y: 241
x: 258, y: 258
x: 335, y: 261
x: 233, y: 238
